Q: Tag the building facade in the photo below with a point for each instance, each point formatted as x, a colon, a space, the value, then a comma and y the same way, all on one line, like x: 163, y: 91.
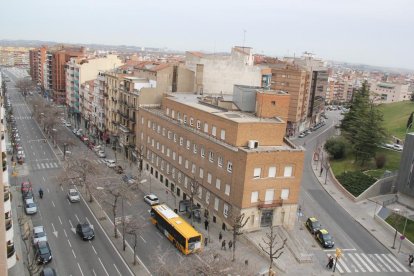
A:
x: 238, y: 162
x: 15, y: 56
x: 385, y: 92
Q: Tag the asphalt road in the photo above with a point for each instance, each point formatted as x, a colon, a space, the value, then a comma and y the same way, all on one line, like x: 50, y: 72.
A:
x: 71, y: 255
x: 348, y: 234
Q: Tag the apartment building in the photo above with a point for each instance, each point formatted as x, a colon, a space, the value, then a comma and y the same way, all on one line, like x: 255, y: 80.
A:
x: 7, y: 252
x: 14, y: 56
x: 97, y: 112
x: 37, y: 63
x: 217, y: 73
x: 240, y: 159
x: 79, y: 71
x: 86, y: 98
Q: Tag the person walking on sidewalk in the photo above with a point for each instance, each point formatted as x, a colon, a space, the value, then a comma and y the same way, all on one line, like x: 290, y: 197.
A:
x: 330, y: 262
x: 223, y: 245
x: 230, y: 244
x: 410, y: 260
x: 206, y: 224
x: 220, y: 236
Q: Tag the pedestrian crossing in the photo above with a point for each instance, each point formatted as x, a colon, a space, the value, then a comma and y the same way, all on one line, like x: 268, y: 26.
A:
x: 369, y: 263
x: 24, y: 118
x: 45, y: 165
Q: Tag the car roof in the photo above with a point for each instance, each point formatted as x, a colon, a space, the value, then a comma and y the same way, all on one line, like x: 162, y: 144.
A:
x: 38, y: 229
x: 313, y: 219
x: 29, y: 200
x: 324, y: 231
x: 72, y: 190
x: 152, y: 196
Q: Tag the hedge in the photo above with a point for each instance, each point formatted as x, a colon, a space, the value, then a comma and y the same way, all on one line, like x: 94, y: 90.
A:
x: 355, y: 182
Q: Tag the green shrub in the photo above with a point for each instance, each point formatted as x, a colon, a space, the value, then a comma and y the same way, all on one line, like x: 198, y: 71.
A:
x: 355, y: 182
x: 336, y: 147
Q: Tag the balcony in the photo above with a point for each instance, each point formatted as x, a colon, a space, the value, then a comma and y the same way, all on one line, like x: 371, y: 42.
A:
x: 269, y: 203
x: 11, y: 255
x: 9, y: 229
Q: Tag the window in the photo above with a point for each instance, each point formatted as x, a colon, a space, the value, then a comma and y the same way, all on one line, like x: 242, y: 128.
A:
x: 288, y: 171
x: 173, y: 172
x: 185, y: 181
x: 207, y: 197
x: 205, y: 127
x: 273, y: 103
x: 149, y: 124
x: 229, y: 167
x: 174, y: 155
x: 168, y: 111
x: 179, y: 177
x: 193, y: 168
x: 175, y: 137
x: 202, y: 153
x: 200, y: 192
x: 148, y: 139
x: 191, y: 121
x: 216, y: 203
x: 194, y: 148
x: 185, y: 119
x: 162, y: 148
x: 272, y: 172
x: 214, y: 131
x: 172, y: 113
x: 209, y: 178
x: 142, y: 120
x: 180, y: 159
x: 254, y: 197
x: 218, y: 183
x: 158, y: 145
x: 186, y: 164
x: 201, y: 173
x: 220, y: 161
x: 222, y: 134
x: 257, y: 172
x: 154, y: 126
x: 162, y: 166
x: 178, y: 116
x: 188, y: 144
x: 158, y: 129
x: 269, y: 195
x: 181, y: 141
x: 225, y: 210
x: 211, y: 156
x: 198, y: 124
x: 169, y: 134
x: 284, y: 194
x: 152, y: 142
x: 157, y: 161
x: 142, y: 135
x: 227, y: 189
x: 163, y: 131
x: 168, y: 152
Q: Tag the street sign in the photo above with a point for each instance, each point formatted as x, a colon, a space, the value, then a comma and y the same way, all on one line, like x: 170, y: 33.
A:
x: 402, y: 237
x: 338, y: 253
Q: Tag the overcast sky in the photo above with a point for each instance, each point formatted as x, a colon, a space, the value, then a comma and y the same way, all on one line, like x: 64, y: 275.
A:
x: 376, y: 32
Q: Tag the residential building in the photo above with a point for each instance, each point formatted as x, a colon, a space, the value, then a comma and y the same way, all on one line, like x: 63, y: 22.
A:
x: 78, y: 71
x: 86, y: 98
x: 218, y: 73
x: 385, y: 92
x: 37, y: 63
x: 7, y: 252
x: 405, y: 178
x: 233, y: 148
x: 97, y: 112
x: 14, y: 56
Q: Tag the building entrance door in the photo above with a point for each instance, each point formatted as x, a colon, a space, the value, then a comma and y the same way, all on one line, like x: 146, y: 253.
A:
x: 267, y: 218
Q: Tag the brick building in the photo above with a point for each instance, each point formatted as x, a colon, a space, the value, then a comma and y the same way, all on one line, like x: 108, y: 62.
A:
x: 240, y: 160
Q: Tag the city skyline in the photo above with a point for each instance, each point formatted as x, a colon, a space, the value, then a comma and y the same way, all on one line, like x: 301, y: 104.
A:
x: 372, y: 32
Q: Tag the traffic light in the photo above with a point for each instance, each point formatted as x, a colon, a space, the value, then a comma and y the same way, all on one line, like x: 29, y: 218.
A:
x: 338, y: 253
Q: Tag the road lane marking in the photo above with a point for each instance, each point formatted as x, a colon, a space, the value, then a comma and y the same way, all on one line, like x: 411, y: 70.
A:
x: 343, y: 250
x: 64, y: 231
x: 70, y: 245
x: 142, y: 238
x: 77, y: 217
x: 44, y: 153
x: 80, y: 269
x: 73, y: 252
x: 71, y: 225
x: 394, y: 265
x: 88, y: 220
x: 370, y: 262
x: 94, y: 249
x: 363, y: 262
x: 93, y: 270
x: 53, y: 204
x: 62, y: 188
x: 43, y: 178
x: 398, y: 263
x: 129, y: 203
x: 43, y: 165
x: 342, y: 264
x: 117, y: 270
x: 47, y: 189
x: 34, y: 153
x: 384, y: 263
x: 103, y: 266
x: 160, y: 235
x: 47, y: 165
x: 60, y: 220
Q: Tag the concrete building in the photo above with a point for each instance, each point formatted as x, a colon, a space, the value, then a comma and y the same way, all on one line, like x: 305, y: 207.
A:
x: 239, y: 160
x: 97, y: 112
x: 384, y: 92
x: 7, y: 252
x: 79, y: 71
x: 405, y: 178
x: 219, y: 73
x: 37, y: 64
x: 15, y: 56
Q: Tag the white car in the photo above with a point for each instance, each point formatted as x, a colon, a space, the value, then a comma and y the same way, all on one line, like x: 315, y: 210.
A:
x: 151, y: 199
x: 74, y: 130
x: 397, y: 147
x: 110, y: 163
x: 39, y: 234
x: 30, y: 207
x: 97, y: 148
x: 67, y: 124
x: 73, y: 195
x: 101, y: 154
x: 20, y: 154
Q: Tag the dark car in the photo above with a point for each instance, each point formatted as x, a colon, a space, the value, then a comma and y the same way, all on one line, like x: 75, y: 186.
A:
x: 48, y: 271
x: 85, y: 231
x: 324, y: 238
x: 313, y: 225
x: 28, y: 195
x: 43, y: 252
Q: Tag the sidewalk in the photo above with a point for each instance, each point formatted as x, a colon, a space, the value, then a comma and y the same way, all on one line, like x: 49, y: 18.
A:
x: 365, y: 213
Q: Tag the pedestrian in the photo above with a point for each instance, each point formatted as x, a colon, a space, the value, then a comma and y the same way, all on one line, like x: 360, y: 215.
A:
x: 206, y: 224
x: 223, y: 245
x: 230, y: 244
x: 410, y: 260
x: 205, y: 241
x: 220, y: 236
x: 330, y: 262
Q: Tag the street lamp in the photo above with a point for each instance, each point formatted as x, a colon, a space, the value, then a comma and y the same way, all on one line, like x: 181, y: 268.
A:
x: 403, y: 233
x: 396, y: 211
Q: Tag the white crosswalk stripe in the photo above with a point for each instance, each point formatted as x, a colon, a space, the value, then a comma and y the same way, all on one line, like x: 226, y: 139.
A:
x: 368, y: 263
x: 47, y: 165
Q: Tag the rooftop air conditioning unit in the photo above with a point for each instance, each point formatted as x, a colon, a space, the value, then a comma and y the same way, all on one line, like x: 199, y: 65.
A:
x: 253, y: 144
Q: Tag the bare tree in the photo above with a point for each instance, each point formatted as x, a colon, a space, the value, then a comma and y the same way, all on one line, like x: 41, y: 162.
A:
x: 133, y: 227
x: 31, y: 264
x: 194, y: 190
x: 25, y: 86
x: 238, y: 221
x: 270, y: 247
x: 80, y: 172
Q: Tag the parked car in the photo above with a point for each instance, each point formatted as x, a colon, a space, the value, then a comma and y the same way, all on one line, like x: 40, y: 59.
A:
x: 48, y: 271
x: 74, y: 130
x: 39, y: 234
x: 110, y: 163
x: 84, y: 139
x: 73, y: 195
x: 313, y: 224
x: 302, y: 134
x: 97, y: 148
x: 43, y: 252
x: 151, y: 199
x: 85, y: 231
x: 398, y: 147
x: 30, y: 208
x: 28, y: 195
x: 324, y: 238
x: 79, y: 132
x: 128, y: 179
x: 101, y: 154
x: 118, y: 169
x: 68, y: 124
x: 26, y: 186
